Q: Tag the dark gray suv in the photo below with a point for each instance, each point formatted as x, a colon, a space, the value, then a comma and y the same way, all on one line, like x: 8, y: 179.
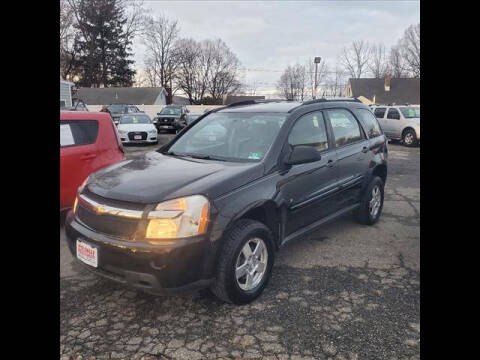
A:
x: 211, y: 208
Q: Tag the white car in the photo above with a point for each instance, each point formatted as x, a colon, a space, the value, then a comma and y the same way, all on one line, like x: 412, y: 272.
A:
x: 137, y: 128
x: 399, y: 122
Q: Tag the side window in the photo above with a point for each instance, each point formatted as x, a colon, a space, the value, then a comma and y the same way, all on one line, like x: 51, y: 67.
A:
x: 393, y: 114
x: 369, y: 122
x: 345, y: 127
x: 309, y: 130
x: 379, y: 113
x: 78, y: 132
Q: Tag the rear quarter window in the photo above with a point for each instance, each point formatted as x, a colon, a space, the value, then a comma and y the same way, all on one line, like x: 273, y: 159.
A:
x: 78, y: 132
x: 369, y: 122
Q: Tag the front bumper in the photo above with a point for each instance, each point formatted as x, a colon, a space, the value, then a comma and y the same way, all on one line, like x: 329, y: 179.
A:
x: 149, y: 140
x: 161, y: 270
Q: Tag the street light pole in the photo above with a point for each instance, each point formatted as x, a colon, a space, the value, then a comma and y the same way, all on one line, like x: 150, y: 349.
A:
x: 316, y: 61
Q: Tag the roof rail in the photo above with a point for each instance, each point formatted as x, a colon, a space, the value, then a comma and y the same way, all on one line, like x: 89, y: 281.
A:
x: 314, y: 101
x: 253, y: 102
x: 244, y: 102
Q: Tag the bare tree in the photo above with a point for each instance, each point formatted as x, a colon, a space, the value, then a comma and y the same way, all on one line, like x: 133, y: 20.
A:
x: 222, y: 75
x: 355, y: 58
x: 293, y: 83
x: 410, y: 49
x: 250, y: 88
x: 159, y: 36
x: 336, y: 83
x: 190, y: 75
x: 396, y: 63
x: 379, y: 61
x: 67, y: 37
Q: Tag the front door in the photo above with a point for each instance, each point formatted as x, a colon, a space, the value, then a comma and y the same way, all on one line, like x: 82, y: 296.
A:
x: 353, y: 154
x: 393, y: 123
x: 309, y: 189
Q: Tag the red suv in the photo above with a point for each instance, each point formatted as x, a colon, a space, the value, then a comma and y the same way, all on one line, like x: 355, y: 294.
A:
x: 88, y: 142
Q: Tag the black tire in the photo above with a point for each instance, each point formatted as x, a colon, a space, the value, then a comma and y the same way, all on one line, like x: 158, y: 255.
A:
x: 225, y: 286
x: 409, y: 138
x: 362, y: 213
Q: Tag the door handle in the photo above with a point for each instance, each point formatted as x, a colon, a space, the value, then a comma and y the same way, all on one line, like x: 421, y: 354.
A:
x: 365, y: 149
x: 330, y: 163
x: 88, y: 156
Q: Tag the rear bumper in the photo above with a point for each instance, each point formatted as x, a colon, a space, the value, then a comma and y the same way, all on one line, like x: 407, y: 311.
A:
x: 159, y: 270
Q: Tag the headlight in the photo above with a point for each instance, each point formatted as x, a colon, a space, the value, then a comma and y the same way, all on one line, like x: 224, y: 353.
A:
x: 75, y: 203
x: 122, y: 132
x: 81, y: 187
x: 154, y: 131
x: 178, y: 218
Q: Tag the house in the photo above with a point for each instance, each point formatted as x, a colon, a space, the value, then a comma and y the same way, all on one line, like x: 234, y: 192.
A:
x: 123, y: 95
x: 385, y: 91
x: 65, y: 93
x: 230, y: 99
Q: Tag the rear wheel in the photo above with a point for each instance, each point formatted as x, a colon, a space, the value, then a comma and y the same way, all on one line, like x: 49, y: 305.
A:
x: 409, y: 137
x: 371, y: 206
x: 245, y: 263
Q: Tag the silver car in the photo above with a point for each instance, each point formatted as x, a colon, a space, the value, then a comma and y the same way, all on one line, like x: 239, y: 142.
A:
x: 399, y: 122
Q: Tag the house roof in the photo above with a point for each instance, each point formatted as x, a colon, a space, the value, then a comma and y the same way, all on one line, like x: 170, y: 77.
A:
x: 180, y: 100
x: 119, y: 95
x: 402, y: 90
x: 236, y: 98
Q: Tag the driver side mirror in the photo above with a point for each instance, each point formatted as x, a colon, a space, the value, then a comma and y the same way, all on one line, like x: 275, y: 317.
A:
x: 302, y: 154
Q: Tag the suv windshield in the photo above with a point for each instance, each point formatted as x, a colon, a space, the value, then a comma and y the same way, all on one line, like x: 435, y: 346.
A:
x: 135, y: 119
x: 410, y: 112
x: 118, y: 109
x: 170, y: 111
x: 230, y: 136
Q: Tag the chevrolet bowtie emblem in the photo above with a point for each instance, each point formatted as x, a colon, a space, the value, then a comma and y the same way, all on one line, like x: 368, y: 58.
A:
x: 100, y: 210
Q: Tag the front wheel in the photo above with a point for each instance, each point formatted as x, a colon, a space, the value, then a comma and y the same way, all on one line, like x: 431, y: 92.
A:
x: 371, y: 205
x: 244, y: 263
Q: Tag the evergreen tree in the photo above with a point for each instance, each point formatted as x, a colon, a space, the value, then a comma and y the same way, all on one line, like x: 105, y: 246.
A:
x: 104, y: 47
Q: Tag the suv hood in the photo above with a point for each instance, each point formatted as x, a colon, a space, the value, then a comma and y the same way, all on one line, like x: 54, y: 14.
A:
x: 153, y: 177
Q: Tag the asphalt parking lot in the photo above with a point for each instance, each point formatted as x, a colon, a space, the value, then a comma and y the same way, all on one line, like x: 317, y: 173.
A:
x: 346, y: 292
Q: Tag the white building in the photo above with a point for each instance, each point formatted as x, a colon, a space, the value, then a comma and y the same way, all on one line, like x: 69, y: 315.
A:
x: 65, y: 93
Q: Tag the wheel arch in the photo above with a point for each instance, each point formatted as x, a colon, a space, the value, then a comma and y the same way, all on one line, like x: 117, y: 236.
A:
x: 381, y: 171
x: 265, y: 212
x: 406, y: 129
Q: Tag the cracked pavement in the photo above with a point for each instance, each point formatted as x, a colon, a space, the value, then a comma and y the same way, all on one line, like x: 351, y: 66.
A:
x: 346, y: 292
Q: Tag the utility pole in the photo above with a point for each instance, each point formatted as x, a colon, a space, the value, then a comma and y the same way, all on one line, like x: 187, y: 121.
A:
x: 316, y: 61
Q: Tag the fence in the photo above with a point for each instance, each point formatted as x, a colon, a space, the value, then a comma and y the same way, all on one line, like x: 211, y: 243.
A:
x: 152, y: 110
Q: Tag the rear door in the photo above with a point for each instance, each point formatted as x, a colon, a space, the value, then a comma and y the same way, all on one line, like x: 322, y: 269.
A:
x: 309, y: 189
x: 353, y: 156
x: 78, y: 156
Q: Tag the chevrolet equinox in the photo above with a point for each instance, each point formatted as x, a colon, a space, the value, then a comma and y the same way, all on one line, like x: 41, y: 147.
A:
x: 211, y: 208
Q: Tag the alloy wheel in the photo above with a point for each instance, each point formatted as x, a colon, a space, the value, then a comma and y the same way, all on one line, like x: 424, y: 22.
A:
x: 251, y: 264
x: 376, y: 201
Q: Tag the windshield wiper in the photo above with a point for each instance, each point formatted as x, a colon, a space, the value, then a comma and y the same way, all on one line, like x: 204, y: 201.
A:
x: 174, y: 154
x: 204, y: 157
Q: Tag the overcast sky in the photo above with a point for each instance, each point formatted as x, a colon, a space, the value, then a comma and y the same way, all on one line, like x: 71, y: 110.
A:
x: 269, y: 35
